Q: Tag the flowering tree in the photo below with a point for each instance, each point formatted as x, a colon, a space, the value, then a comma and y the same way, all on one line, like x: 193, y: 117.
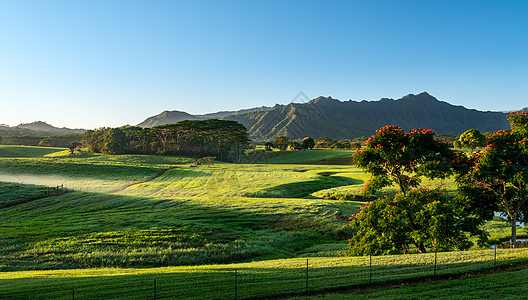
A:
x: 421, y: 218
x: 498, y: 176
x: 395, y: 157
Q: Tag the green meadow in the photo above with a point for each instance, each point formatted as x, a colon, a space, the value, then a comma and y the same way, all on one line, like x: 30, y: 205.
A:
x: 117, y: 228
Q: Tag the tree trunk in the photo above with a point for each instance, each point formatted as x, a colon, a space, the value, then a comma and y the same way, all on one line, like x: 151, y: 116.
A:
x: 513, y: 232
x: 421, y: 248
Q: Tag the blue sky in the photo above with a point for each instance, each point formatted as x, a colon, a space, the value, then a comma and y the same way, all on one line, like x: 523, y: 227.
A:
x: 108, y: 63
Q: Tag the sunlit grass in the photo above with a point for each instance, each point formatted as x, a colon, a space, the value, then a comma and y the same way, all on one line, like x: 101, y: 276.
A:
x: 254, y: 279
x: 220, y: 213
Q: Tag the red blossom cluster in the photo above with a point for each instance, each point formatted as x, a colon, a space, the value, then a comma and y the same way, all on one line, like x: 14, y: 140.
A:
x: 422, y: 131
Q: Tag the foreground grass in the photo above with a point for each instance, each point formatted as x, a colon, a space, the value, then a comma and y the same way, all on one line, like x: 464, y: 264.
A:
x: 249, y: 280
x: 504, y: 285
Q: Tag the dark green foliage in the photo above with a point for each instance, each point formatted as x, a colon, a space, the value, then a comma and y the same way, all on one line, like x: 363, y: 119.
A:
x: 421, y: 218
x: 498, y: 176
x: 45, y: 141
x: 226, y: 140
x: 294, y: 145
x: 395, y: 157
x: 342, y: 145
x: 269, y: 146
x: 73, y: 145
x: 281, y: 142
x: 308, y: 143
x: 323, y: 143
x: 115, y: 141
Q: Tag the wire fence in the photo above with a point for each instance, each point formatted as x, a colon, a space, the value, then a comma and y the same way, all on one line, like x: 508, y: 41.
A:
x: 266, y: 279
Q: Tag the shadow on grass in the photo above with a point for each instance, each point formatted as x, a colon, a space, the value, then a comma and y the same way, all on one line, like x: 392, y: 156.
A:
x: 302, y: 189
x: 87, y: 230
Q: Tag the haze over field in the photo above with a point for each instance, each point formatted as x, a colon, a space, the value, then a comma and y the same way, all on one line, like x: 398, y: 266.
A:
x: 100, y: 63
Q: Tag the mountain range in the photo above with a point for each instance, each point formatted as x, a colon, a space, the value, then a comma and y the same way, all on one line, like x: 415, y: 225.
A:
x: 38, y: 128
x: 325, y: 116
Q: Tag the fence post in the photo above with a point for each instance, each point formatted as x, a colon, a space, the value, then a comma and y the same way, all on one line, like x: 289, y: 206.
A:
x: 434, y: 273
x: 370, y: 268
x: 236, y: 286
x: 154, y: 289
x: 307, y: 275
x: 495, y: 259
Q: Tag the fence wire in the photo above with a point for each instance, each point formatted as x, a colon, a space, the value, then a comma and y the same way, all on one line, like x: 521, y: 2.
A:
x: 288, y: 277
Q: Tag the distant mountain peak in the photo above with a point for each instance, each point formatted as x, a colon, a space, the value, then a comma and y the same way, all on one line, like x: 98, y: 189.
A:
x: 326, y: 116
x: 422, y: 95
x: 322, y: 99
x: 45, y: 128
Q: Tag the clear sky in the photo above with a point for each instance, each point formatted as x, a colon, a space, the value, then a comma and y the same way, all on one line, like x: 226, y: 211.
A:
x: 101, y: 63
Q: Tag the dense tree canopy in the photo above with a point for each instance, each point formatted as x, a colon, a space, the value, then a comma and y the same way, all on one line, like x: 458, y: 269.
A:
x: 294, y: 145
x: 269, y: 146
x: 499, y: 173
x: 395, y: 157
x: 307, y: 143
x: 323, y: 143
x: 470, y: 139
x: 419, y: 220
x: 282, y: 142
x: 226, y: 140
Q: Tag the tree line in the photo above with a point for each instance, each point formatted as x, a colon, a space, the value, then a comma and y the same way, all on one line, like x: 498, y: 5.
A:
x: 226, y: 140
x: 489, y: 180
x: 283, y: 143
x: 42, y: 141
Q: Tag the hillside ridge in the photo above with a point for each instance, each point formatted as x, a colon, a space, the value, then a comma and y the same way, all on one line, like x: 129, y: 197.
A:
x: 326, y: 116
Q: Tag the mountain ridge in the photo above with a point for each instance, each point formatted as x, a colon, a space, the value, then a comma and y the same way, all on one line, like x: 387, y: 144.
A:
x: 37, y: 128
x: 326, y: 116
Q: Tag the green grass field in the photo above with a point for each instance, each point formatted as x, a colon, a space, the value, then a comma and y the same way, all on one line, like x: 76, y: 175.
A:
x: 261, y: 278
x: 188, y: 216
x: 210, y: 220
x: 504, y: 285
x: 313, y: 157
x: 26, y: 151
x: 11, y: 191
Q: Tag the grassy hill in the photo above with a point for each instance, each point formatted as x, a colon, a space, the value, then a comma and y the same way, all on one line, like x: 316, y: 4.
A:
x: 25, y: 151
x: 209, y: 214
x: 229, y: 215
